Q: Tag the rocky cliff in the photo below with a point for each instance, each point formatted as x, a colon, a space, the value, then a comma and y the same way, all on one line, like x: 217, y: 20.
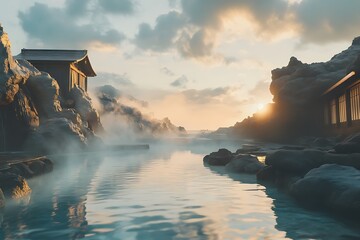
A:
x: 297, y: 89
x: 31, y: 114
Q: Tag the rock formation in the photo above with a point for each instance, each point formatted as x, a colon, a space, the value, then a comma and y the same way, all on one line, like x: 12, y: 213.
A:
x: 112, y: 103
x: 31, y: 114
x: 330, y: 186
x: 237, y: 162
x: 297, y: 90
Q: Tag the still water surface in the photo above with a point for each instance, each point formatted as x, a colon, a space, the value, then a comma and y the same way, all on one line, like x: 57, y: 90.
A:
x: 163, y: 193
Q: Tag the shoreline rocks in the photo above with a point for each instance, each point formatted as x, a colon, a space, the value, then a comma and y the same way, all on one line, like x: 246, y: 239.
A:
x: 317, y: 179
x: 13, y: 179
x: 331, y: 186
x: 239, y: 162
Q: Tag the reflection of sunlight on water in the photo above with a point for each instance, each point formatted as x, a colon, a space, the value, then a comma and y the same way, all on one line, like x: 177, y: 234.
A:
x: 154, y: 195
x: 261, y: 158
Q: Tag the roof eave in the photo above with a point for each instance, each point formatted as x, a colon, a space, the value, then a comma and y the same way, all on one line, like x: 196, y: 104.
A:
x: 344, y: 79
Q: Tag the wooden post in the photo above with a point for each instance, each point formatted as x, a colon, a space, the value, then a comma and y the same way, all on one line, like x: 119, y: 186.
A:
x: 348, y: 108
x: 337, y: 112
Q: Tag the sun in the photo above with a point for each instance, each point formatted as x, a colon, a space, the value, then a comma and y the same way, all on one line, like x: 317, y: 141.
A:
x: 263, y: 110
x: 260, y: 106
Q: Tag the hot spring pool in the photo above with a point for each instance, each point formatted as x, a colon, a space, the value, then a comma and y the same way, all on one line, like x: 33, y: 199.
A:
x: 164, y: 193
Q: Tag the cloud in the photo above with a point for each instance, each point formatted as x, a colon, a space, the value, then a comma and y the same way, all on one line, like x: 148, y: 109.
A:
x: 76, y: 25
x: 162, y: 36
x: 207, y: 95
x: 167, y: 71
x: 197, y: 45
x: 261, y: 89
x: 328, y: 20
x: 117, y: 6
x: 173, y: 3
x: 195, y: 30
x: 206, y: 108
x: 114, y: 79
x: 180, y: 82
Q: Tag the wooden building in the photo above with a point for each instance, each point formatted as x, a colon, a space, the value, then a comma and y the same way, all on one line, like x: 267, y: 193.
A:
x: 68, y: 67
x: 342, y: 105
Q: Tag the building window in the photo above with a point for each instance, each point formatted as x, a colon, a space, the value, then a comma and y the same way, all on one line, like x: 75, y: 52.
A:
x: 74, y: 78
x: 342, y: 108
x: 82, y: 82
x: 333, y: 111
x: 355, y: 102
x: 326, y: 115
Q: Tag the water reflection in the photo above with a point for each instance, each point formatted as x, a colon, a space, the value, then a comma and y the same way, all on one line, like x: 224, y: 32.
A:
x: 158, y: 194
x: 295, y: 221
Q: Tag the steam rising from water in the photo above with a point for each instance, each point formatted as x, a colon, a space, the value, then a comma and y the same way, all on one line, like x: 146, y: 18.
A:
x: 123, y: 118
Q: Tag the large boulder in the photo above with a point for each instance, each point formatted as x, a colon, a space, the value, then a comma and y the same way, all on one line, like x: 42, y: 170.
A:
x: 57, y: 135
x: 14, y: 186
x: 244, y: 163
x: 219, y: 158
x: 45, y: 92
x: 300, y: 162
x: 295, y: 161
x: 84, y: 106
x: 330, y: 186
x: 349, y: 145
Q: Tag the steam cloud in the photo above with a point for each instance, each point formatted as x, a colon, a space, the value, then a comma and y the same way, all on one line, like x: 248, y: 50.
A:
x: 123, y: 119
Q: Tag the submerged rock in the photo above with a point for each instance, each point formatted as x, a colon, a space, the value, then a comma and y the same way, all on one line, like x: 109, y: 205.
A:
x: 244, y: 164
x: 331, y: 186
x: 14, y: 186
x: 219, y: 158
x: 32, y: 168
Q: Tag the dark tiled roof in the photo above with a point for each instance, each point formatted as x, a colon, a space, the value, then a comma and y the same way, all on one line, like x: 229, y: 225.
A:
x: 52, y: 55
x: 79, y: 57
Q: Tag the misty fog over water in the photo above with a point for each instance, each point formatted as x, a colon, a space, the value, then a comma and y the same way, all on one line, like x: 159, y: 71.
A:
x: 163, y: 193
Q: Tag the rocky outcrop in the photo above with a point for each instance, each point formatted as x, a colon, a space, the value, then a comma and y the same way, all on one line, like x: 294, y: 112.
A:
x: 316, y: 178
x: 126, y: 110
x: 300, y: 162
x: 14, y: 186
x: 31, y: 114
x: 349, y: 145
x: 243, y: 163
x: 297, y: 91
x: 219, y: 158
x: 84, y: 106
x: 235, y: 162
x: 332, y: 187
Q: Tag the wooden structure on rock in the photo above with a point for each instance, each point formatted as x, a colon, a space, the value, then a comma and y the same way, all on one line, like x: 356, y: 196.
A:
x: 342, y: 105
x: 69, y: 67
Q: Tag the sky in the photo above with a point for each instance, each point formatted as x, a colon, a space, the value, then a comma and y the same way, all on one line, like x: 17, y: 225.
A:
x: 202, y: 63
